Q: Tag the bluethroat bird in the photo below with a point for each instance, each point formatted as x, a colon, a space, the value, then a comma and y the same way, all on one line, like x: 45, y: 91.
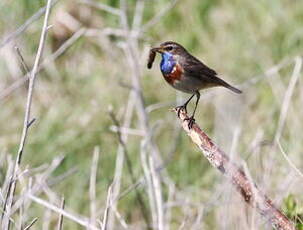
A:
x: 186, y: 73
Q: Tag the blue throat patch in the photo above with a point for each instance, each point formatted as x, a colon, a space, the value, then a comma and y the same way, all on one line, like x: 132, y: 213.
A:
x: 167, y: 63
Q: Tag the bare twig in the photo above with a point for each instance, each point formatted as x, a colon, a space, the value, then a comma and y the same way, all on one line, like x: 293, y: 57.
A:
x: 47, y: 217
x: 76, y: 218
x: 60, y: 221
x: 153, y: 182
x: 68, y: 43
x: 7, y: 180
x: 130, y: 47
x: 23, y: 63
x: 11, y: 189
x: 130, y: 170
x: 92, y: 186
x: 287, y: 97
x: 168, y: 213
x: 31, y: 224
x: 120, y: 154
x: 293, y: 166
x: 108, y: 204
x: 130, y: 189
x: 143, y: 180
x: 41, y: 181
x: 55, y: 180
x: 132, y: 54
x: 248, y: 190
x: 120, y: 218
x: 23, y: 27
x: 157, y: 193
x: 148, y: 180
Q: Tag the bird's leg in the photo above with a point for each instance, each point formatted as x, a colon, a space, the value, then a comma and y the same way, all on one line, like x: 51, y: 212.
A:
x: 191, y: 119
x: 179, y: 108
x: 197, y: 102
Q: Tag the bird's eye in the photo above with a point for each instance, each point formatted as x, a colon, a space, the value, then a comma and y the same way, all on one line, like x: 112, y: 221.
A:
x: 169, y: 48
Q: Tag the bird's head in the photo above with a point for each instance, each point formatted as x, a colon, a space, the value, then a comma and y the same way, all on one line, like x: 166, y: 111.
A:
x: 170, y: 47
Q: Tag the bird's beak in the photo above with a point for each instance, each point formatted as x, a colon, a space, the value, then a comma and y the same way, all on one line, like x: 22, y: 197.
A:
x: 158, y: 49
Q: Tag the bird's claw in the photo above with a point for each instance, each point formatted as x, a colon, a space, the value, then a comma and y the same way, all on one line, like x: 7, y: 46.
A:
x: 191, y: 121
x: 179, y: 108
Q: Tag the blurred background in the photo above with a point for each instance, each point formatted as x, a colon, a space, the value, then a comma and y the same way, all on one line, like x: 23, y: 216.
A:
x: 103, y: 120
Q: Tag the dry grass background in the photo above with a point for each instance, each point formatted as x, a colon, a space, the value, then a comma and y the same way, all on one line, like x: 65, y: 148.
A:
x: 73, y: 148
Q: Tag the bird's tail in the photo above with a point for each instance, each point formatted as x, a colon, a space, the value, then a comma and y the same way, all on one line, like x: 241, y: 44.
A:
x: 234, y: 89
x: 228, y: 86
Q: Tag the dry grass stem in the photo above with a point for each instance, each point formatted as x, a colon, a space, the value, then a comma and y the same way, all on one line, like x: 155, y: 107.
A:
x: 12, y: 185
x: 292, y: 165
x: 130, y: 170
x: 121, y: 154
x: 31, y: 224
x: 108, y: 204
x: 22, y: 61
x: 60, y: 221
x: 148, y: 180
x: 37, y: 187
x: 92, y: 186
x: 76, y: 218
x: 287, y: 97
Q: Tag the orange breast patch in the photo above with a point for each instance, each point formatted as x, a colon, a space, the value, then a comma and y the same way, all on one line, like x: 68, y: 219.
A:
x: 174, y: 75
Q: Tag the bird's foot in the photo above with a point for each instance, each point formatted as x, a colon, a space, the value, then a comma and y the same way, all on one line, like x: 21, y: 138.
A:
x: 191, y: 121
x: 179, y: 108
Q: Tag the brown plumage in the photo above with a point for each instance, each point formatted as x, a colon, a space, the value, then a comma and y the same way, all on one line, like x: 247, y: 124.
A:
x: 185, y: 72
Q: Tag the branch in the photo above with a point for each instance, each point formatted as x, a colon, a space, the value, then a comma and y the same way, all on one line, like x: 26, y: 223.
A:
x: 287, y: 97
x: 74, y: 217
x: 92, y: 186
x: 248, y: 190
x: 31, y: 224
x: 130, y: 170
x: 32, y: 77
x: 108, y: 204
x: 60, y: 221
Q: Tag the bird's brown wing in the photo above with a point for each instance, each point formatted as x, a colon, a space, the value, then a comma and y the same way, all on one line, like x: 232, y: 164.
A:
x: 195, y: 68
x: 198, y: 69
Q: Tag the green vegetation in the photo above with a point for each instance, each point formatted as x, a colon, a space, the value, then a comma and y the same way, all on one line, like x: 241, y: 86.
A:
x: 294, y: 211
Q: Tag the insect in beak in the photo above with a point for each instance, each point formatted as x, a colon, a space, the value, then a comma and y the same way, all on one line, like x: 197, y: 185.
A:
x: 152, y: 55
x: 151, y: 58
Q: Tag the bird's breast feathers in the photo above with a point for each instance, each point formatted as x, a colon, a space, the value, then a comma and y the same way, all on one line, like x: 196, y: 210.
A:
x: 175, y: 74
